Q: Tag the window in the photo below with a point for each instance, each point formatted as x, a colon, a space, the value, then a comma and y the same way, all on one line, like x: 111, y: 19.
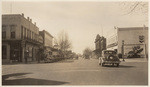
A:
x: 12, y: 34
x: 12, y: 31
x: 22, y: 32
x: 32, y: 36
x: 28, y: 34
x: 4, y: 34
x: 25, y: 33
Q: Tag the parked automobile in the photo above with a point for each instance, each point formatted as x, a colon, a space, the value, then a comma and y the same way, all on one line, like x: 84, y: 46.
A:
x: 109, y: 57
x: 48, y: 60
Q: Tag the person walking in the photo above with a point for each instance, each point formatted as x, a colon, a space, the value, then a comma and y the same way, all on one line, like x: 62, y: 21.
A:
x: 26, y: 56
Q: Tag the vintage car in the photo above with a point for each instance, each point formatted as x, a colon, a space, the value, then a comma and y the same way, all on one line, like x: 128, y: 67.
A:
x: 109, y: 57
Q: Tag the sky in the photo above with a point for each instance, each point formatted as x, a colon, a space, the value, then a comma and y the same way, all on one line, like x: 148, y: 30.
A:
x: 82, y: 20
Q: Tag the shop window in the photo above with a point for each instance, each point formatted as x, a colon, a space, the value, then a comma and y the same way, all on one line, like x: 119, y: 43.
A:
x: 4, y: 52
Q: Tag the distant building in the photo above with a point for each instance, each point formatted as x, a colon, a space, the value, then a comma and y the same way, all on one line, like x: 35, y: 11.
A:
x: 47, y: 41
x: 132, y: 36
x: 56, y: 47
x: 18, y: 36
x: 100, y: 45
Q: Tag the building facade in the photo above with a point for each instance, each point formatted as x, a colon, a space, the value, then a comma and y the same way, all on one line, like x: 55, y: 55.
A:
x: 100, y: 45
x: 47, y: 42
x: 133, y: 36
x: 19, y: 35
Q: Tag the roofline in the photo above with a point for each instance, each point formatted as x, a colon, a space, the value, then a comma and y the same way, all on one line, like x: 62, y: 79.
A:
x: 47, y: 33
x: 10, y: 14
x: 20, y: 16
x: 133, y: 28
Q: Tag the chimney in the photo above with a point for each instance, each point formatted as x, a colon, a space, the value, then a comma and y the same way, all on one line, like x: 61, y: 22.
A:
x: 34, y: 23
x: 22, y: 14
x: 28, y: 18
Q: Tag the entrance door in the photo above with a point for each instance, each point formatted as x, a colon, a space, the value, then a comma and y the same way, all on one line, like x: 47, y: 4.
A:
x: 4, y: 52
x: 15, y: 52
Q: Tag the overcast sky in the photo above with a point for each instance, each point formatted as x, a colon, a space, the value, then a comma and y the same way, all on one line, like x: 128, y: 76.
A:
x: 82, y: 20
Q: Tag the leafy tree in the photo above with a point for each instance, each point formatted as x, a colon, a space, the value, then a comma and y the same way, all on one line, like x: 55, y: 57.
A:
x: 87, y: 52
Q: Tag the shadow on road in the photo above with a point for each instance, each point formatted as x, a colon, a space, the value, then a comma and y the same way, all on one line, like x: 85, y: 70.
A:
x: 28, y: 81
x: 65, y: 61
x: 121, y: 66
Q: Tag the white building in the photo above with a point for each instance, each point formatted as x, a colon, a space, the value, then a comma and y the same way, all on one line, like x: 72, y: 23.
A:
x: 131, y: 36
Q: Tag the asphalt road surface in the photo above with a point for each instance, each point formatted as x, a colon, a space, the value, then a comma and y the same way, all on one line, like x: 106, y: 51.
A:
x: 76, y: 72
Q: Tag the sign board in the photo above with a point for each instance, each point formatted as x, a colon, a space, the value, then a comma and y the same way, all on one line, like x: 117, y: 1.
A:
x: 141, y: 39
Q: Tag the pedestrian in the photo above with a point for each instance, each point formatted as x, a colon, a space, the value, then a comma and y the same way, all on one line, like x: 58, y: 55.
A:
x: 26, y: 56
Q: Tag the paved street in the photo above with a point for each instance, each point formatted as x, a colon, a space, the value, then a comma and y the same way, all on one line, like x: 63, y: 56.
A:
x: 76, y: 72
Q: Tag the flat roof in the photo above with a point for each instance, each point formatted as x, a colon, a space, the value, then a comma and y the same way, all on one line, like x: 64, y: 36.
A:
x: 132, y: 28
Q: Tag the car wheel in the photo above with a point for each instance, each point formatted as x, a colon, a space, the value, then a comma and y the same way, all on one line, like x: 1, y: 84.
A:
x: 112, y: 64
x: 117, y: 64
x: 102, y: 64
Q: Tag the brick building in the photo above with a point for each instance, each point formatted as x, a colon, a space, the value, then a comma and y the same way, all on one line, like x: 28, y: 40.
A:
x: 19, y: 35
x: 100, y: 45
x: 47, y: 42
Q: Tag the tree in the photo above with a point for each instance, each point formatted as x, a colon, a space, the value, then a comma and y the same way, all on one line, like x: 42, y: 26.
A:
x: 63, y: 42
x: 40, y: 54
x: 135, y: 53
x: 87, y: 52
x: 131, y: 7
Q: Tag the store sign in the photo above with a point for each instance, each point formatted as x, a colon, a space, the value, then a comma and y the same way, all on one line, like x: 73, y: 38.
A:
x: 141, y: 39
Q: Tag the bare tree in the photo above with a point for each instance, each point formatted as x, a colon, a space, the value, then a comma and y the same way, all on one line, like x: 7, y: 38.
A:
x: 138, y: 6
x: 55, y: 41
x: 63, y: 42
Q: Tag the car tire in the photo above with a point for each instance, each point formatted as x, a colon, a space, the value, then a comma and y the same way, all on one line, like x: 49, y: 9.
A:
x: 112, y: 64
x: 102, y: 64
x: 117, y: 64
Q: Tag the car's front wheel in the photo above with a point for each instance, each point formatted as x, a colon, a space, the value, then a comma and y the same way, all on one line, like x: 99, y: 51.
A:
x: 117, y: 64
x: 102, y: 64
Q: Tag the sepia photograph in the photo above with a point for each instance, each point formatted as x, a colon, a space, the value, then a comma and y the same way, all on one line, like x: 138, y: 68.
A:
x: 74, y: 43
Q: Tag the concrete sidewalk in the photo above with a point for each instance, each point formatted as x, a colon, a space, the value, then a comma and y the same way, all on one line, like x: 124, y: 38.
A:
x: 135, y: 60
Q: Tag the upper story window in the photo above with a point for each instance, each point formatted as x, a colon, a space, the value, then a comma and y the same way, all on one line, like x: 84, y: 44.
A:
x: 13, y: 31
x: 25, y: 33
x: 22, y: 35
x: 3, y: 31
x: 13, y: 34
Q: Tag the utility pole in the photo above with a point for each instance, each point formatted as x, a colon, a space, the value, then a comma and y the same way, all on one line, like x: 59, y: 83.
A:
x: 144, y: 42
x: 122, y: 50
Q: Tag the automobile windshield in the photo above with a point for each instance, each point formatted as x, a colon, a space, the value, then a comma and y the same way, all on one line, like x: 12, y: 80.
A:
x: 109, y: 52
